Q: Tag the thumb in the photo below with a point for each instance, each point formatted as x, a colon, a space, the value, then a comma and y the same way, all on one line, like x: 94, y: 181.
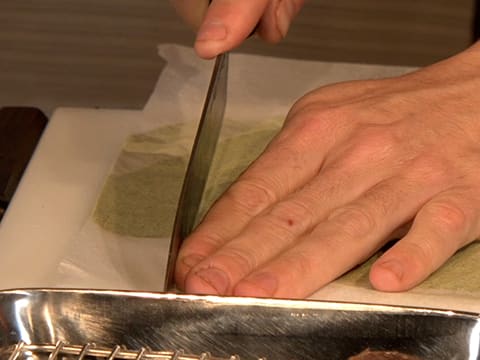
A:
x: 226, y: 24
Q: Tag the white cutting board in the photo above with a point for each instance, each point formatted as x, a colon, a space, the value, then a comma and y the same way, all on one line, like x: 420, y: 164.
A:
x: 58, y: 191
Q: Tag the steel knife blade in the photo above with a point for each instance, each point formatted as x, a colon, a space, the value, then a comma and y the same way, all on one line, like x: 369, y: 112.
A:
x: 201, y: 157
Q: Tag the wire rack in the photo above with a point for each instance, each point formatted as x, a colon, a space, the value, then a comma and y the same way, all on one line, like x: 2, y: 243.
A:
x: 61, y: 350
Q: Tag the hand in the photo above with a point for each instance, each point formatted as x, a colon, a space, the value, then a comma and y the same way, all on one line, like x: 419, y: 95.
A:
x: 224, y: 24
x: 355, y: 164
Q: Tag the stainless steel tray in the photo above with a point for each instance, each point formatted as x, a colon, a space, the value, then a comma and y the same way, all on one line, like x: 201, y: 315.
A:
x: 77, y: 324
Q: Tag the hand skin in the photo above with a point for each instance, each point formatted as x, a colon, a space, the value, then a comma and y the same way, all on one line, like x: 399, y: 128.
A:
x: 225, y: 24
x: 355, y: 163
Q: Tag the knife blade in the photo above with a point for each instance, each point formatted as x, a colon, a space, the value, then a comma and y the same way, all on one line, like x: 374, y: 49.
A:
x: 201, y: 157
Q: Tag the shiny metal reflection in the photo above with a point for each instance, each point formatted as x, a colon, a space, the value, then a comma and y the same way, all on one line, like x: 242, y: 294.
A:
x: 131, y: 325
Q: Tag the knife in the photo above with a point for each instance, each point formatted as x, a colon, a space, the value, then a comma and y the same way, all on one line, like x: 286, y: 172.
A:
x: 199, y: 163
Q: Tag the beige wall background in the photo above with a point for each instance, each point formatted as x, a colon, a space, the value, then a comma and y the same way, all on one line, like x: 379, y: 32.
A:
x: 102, y: 53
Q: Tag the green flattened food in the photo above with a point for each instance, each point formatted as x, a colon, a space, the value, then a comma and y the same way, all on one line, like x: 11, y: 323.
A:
x: 142, y: 203
x: 139, y: 197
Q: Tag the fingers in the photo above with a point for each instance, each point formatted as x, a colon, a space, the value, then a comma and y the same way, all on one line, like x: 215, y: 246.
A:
x: 265, y: 182
x: 352, y: 232
x: 228, y: 23
x: 276, y: 229
x: 442, y: 226
x: 349, y: 236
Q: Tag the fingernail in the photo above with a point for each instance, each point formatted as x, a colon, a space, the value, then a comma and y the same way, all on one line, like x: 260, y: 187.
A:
x: 212, y: 31
x: 394, y: 267
x: 284, y: 16
x: 214, y: 278
x: 191, y: 260
x: 259, y: 285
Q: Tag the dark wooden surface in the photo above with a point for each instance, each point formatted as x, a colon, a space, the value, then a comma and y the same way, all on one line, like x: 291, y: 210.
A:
x: 102, y: 53
x: 20, y: 131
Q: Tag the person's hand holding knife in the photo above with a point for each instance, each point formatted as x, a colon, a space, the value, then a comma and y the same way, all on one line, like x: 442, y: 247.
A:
x: 225, y: 24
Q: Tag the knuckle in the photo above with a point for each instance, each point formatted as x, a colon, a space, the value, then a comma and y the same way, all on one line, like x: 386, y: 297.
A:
x: 370, y: 143
x: 307, y: 103
x: 314, y: 119
x: 447, y: 217
x: 431, y: 169
x: 375, y: 142
x: 251, y: 196
x: 354, y: 221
